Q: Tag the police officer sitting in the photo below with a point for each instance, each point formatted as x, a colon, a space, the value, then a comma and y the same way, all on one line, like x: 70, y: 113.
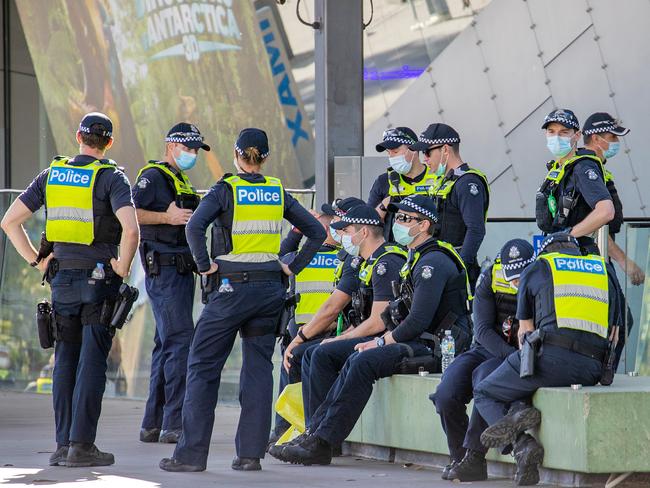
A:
x: 165, y: 199
x: 405, y: 176
x: 246, y: 286
x: 567, y: 308
x: 89, y: 212
x: 462, y: 194
x: 435, y: 302
x: 495, y: 338
x: 378, y: 264
x: 573, y: 197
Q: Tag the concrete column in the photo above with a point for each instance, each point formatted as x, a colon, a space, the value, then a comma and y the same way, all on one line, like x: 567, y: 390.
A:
x: 339, y: 88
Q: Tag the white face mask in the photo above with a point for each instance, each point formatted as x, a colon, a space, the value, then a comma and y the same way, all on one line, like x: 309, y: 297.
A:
x: 400, y: 164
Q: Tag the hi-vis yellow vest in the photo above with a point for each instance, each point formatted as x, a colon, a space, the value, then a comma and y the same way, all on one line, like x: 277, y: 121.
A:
x: 443, y: 189
x: 421, y: 187
x: 182, y: 183
x: 365, y: 273
x: 580, y: 292
x: 256, y: 221
x: 499, y: 283
x: 315, y: 284
x: 69, y: 201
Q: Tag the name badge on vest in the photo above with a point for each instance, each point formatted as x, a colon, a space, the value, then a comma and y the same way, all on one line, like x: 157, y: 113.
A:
x: 259, y: 195
x: 70, y: 177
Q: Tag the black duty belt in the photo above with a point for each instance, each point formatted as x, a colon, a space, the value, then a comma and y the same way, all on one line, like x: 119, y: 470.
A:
x: 564, y: 342
x: 250, y: 276
x: 82, y: 264
x: 171, y: 259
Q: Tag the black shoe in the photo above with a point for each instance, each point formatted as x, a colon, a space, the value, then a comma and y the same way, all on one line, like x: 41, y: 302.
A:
x: 277, y: 450
x: 59, y: 457
x: 246, y: 464
x: 313, y: 450
x: 149, y: 435
x: 83, y: 455
x: 273, y: 438
x: 473, y: 467
x: 337, y: 451
x: 528, y: 454
x: 171, y: 464
x: 447, y: 469
x: 169, y: 436
x: 506, y: 430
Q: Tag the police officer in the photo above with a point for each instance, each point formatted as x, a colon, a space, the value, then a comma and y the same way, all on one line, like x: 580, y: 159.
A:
x: 378, y: 264
x: 495, y: 337
x: 89, y: 212
x: 405, y: 176
x: 573, y: 197
x: 462, y: 194
x: 165, y: 198
x: 571, y: 301
x: 434, y: 280
x: 246, y: 287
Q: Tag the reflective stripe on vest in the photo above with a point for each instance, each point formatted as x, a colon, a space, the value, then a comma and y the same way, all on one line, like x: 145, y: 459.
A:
x: 421, y: 187
x: 69, y: 201
x: 580, y: 292
x: 315, y: 284
x: 365, y: 272
x: 258, y: 210
x: 499, y: 283
x: 182, y: 183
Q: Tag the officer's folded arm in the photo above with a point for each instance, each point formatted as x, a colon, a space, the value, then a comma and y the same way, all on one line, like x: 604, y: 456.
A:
x: 207, y: 211
x: 310, y: 227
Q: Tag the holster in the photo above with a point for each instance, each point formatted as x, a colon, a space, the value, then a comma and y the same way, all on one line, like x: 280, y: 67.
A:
x: 152, y: 262
x: 529, y: 349
x: 542, y: 213
x: 45, y: 324
x: 288, y: 311
x: 185, y: 264
x: 126, y: 297
x: 607, y: 375
x: 412, y: 365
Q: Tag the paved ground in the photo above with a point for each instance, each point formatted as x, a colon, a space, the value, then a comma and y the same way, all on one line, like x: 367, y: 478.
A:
x: 26, y: 441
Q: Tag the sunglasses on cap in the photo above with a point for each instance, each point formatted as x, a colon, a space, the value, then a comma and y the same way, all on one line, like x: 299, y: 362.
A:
x: 396, y: 133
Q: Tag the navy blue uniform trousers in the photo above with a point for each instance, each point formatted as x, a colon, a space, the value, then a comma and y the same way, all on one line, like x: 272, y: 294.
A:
x: 335, y: 418
x: 555, y: 367
x: 321, y: 365
x: 453, y: 394
x: 254, y: 308
x: 79, y: 377
x: 172, y: 298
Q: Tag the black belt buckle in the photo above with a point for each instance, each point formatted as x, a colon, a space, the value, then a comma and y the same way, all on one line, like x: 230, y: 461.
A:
x: 244, y: 277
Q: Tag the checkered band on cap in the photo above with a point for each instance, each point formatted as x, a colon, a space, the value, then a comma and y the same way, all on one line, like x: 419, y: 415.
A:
x: 518, y: 265
x: 417, y: 208
x: 359, y: 220
x: 87, y: 130
x: 610, y: 127
x: 433, y: 142
x: 184, y: 137
x: 240, y: 151
x: 562, y: 120
x: 401, y: 140
x: 339, y: 212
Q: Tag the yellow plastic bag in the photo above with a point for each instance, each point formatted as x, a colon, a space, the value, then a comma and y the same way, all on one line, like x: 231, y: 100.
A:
x: 289, y: 406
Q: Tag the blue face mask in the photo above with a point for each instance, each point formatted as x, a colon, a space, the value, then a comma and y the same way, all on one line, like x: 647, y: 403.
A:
x: 185, y: 160
x: 401, y: 234
x: 559, y: 146
x: 612, y: 150
x: 335, y: 235
x: 350, y: 248
x: 400, y: 164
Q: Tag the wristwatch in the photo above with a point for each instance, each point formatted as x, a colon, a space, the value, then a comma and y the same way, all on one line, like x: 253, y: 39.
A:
x: 380, y: 341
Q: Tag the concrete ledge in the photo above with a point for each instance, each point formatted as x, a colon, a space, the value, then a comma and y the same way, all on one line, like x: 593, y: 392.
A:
x: 591, y: 430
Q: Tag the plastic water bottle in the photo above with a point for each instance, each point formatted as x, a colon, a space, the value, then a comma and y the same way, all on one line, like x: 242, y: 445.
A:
x: 98, y: 273
x: 448, y: 349
x: 226, y: 287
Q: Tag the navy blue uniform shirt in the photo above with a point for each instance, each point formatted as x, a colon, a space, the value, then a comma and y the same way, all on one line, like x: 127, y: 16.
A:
x: 427, y: 291
x: 386, y: 271
x: 110, y: 186
x: 154, y: 192
x: 381, y: 186
x: 349, y: 281
x: 486, y: 328
x: 218, y: 202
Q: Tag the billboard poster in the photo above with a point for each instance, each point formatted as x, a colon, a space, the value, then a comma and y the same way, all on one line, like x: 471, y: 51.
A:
x: 151, y: 63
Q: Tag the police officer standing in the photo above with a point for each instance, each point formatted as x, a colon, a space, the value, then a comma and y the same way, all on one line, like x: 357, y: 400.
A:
x: 89, y: 212
x: 573, y: 197
x: 405, y: 176
x: 165, y: 199
x: 462, y: 194
x: 495, y: 338
x: 246, y: 287
x: 567, y: 309
x: 438, y: 289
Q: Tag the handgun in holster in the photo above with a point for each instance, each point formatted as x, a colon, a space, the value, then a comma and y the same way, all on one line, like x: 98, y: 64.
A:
x: 45, y: 324
x: 607, y: 375
x: 115, y: 312
x: 208, y: 285
x: 565, y: 205
x: 288, y: 311
x: 530, y: 346
x: 45, y: 248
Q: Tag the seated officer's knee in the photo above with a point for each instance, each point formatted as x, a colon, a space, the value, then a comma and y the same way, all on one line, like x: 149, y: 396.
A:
x: 445, y: 398
x: 484, y: 370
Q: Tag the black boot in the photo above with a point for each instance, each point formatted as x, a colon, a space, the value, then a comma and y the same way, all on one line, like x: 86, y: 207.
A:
x: 313, y: 450
x: 473, y: 467
x: 246, y: 464
x: 529, y: 455
x: 277, y: 450
x: 447, y: 469
x: 84, y: 454
x: 149, y: 435
x: 59, y: 457
x: 506, y: 430
x: 171, y: 464
x: 273, y: 438
x: 169, y: 436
